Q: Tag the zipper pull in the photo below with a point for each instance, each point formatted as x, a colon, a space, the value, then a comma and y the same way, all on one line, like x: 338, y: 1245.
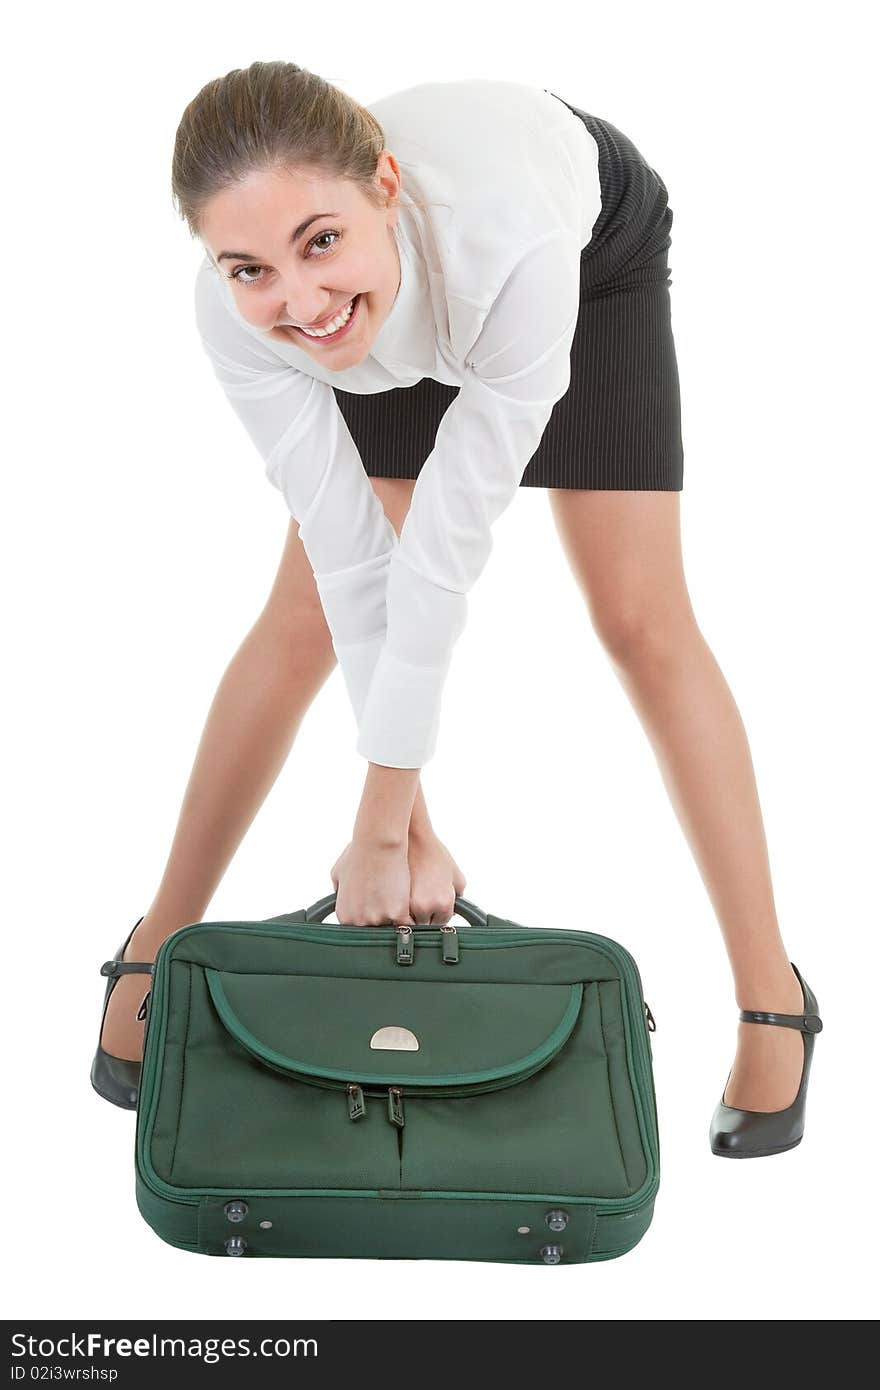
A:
x: 142, y: 1011
x: 649, y: 1018
x: 404, y: 946
x: 395, y: 1106
x: 356, y: 1105
x: 450, y: 944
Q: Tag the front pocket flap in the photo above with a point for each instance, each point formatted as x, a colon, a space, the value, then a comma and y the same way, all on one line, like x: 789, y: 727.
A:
x: 465, y: 1033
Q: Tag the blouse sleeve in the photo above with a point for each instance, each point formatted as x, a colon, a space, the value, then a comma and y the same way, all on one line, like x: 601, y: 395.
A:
x: 309, y: 455
x: 515, y: 372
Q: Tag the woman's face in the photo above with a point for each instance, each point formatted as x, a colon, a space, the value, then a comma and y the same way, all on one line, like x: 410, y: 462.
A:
x: 286, y: 276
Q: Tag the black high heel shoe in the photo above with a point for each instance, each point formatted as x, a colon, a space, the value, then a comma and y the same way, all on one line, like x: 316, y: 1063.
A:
x: 737, y: 1133
x: 118, y: 1079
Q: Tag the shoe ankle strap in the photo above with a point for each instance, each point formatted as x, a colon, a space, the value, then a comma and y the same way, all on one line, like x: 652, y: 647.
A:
x: 807, y: 1023
x: 128, y: 967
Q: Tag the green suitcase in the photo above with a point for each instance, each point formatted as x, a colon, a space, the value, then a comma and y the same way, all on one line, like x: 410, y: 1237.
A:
x: 356, y: 1092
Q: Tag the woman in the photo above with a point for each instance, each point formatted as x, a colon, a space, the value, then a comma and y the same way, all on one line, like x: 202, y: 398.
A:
x: 414, y: 310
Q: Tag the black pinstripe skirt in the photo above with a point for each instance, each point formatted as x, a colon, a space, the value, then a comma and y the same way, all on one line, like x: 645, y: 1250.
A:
x: 619, y: 424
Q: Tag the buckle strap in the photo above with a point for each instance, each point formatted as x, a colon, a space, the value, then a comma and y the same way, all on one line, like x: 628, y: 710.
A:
x: 807, y: 1023
x: 128, y: 967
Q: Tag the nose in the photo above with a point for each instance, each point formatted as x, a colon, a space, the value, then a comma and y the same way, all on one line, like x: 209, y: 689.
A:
x: 306, y: 308
x: 304, y: 317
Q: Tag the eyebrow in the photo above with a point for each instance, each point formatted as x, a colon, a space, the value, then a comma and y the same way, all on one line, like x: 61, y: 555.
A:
x: 295, y: 236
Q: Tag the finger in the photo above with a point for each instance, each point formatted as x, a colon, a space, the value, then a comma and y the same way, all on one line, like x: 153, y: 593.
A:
x: 437, y: 915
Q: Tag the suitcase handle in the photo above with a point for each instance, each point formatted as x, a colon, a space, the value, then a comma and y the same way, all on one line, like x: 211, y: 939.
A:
x: 472, y: 914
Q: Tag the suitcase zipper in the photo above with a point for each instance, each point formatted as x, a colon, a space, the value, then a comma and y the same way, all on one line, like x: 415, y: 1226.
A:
x: 357, y: 1106
x: 357, y: 1095
x: 395, y: 1106
x: 450, y: 944
x: 406, y: 944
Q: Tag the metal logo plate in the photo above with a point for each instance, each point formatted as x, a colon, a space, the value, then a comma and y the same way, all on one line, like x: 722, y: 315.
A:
x: 394, y: 1039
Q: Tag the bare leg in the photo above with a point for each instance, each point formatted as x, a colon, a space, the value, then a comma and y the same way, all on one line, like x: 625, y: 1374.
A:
x: 251, y: 726
x: 624, y: 548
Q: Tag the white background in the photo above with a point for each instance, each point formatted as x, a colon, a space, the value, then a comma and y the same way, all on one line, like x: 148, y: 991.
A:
x: 141, y: 540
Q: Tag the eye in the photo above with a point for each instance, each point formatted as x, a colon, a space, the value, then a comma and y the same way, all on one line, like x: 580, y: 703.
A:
x: 237, y: 273
x: 320, y: 237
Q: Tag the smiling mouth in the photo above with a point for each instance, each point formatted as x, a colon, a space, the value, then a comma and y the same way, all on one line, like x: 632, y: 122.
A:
x: 343, y: 319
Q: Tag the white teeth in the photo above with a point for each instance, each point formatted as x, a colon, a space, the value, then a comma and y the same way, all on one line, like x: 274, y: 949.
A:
x: 333, y: 326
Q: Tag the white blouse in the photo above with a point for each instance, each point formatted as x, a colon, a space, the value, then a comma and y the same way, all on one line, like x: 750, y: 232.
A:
x: 488, y: 301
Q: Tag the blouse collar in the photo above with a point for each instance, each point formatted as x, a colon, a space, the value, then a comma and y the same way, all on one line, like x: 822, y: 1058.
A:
x: 407, y: 337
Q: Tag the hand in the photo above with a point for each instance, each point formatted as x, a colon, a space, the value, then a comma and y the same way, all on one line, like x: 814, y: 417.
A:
x: 372, y: 884
x: 435, y: 879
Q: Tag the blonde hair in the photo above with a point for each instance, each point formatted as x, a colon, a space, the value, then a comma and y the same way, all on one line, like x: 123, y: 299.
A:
x: 267, y: 116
